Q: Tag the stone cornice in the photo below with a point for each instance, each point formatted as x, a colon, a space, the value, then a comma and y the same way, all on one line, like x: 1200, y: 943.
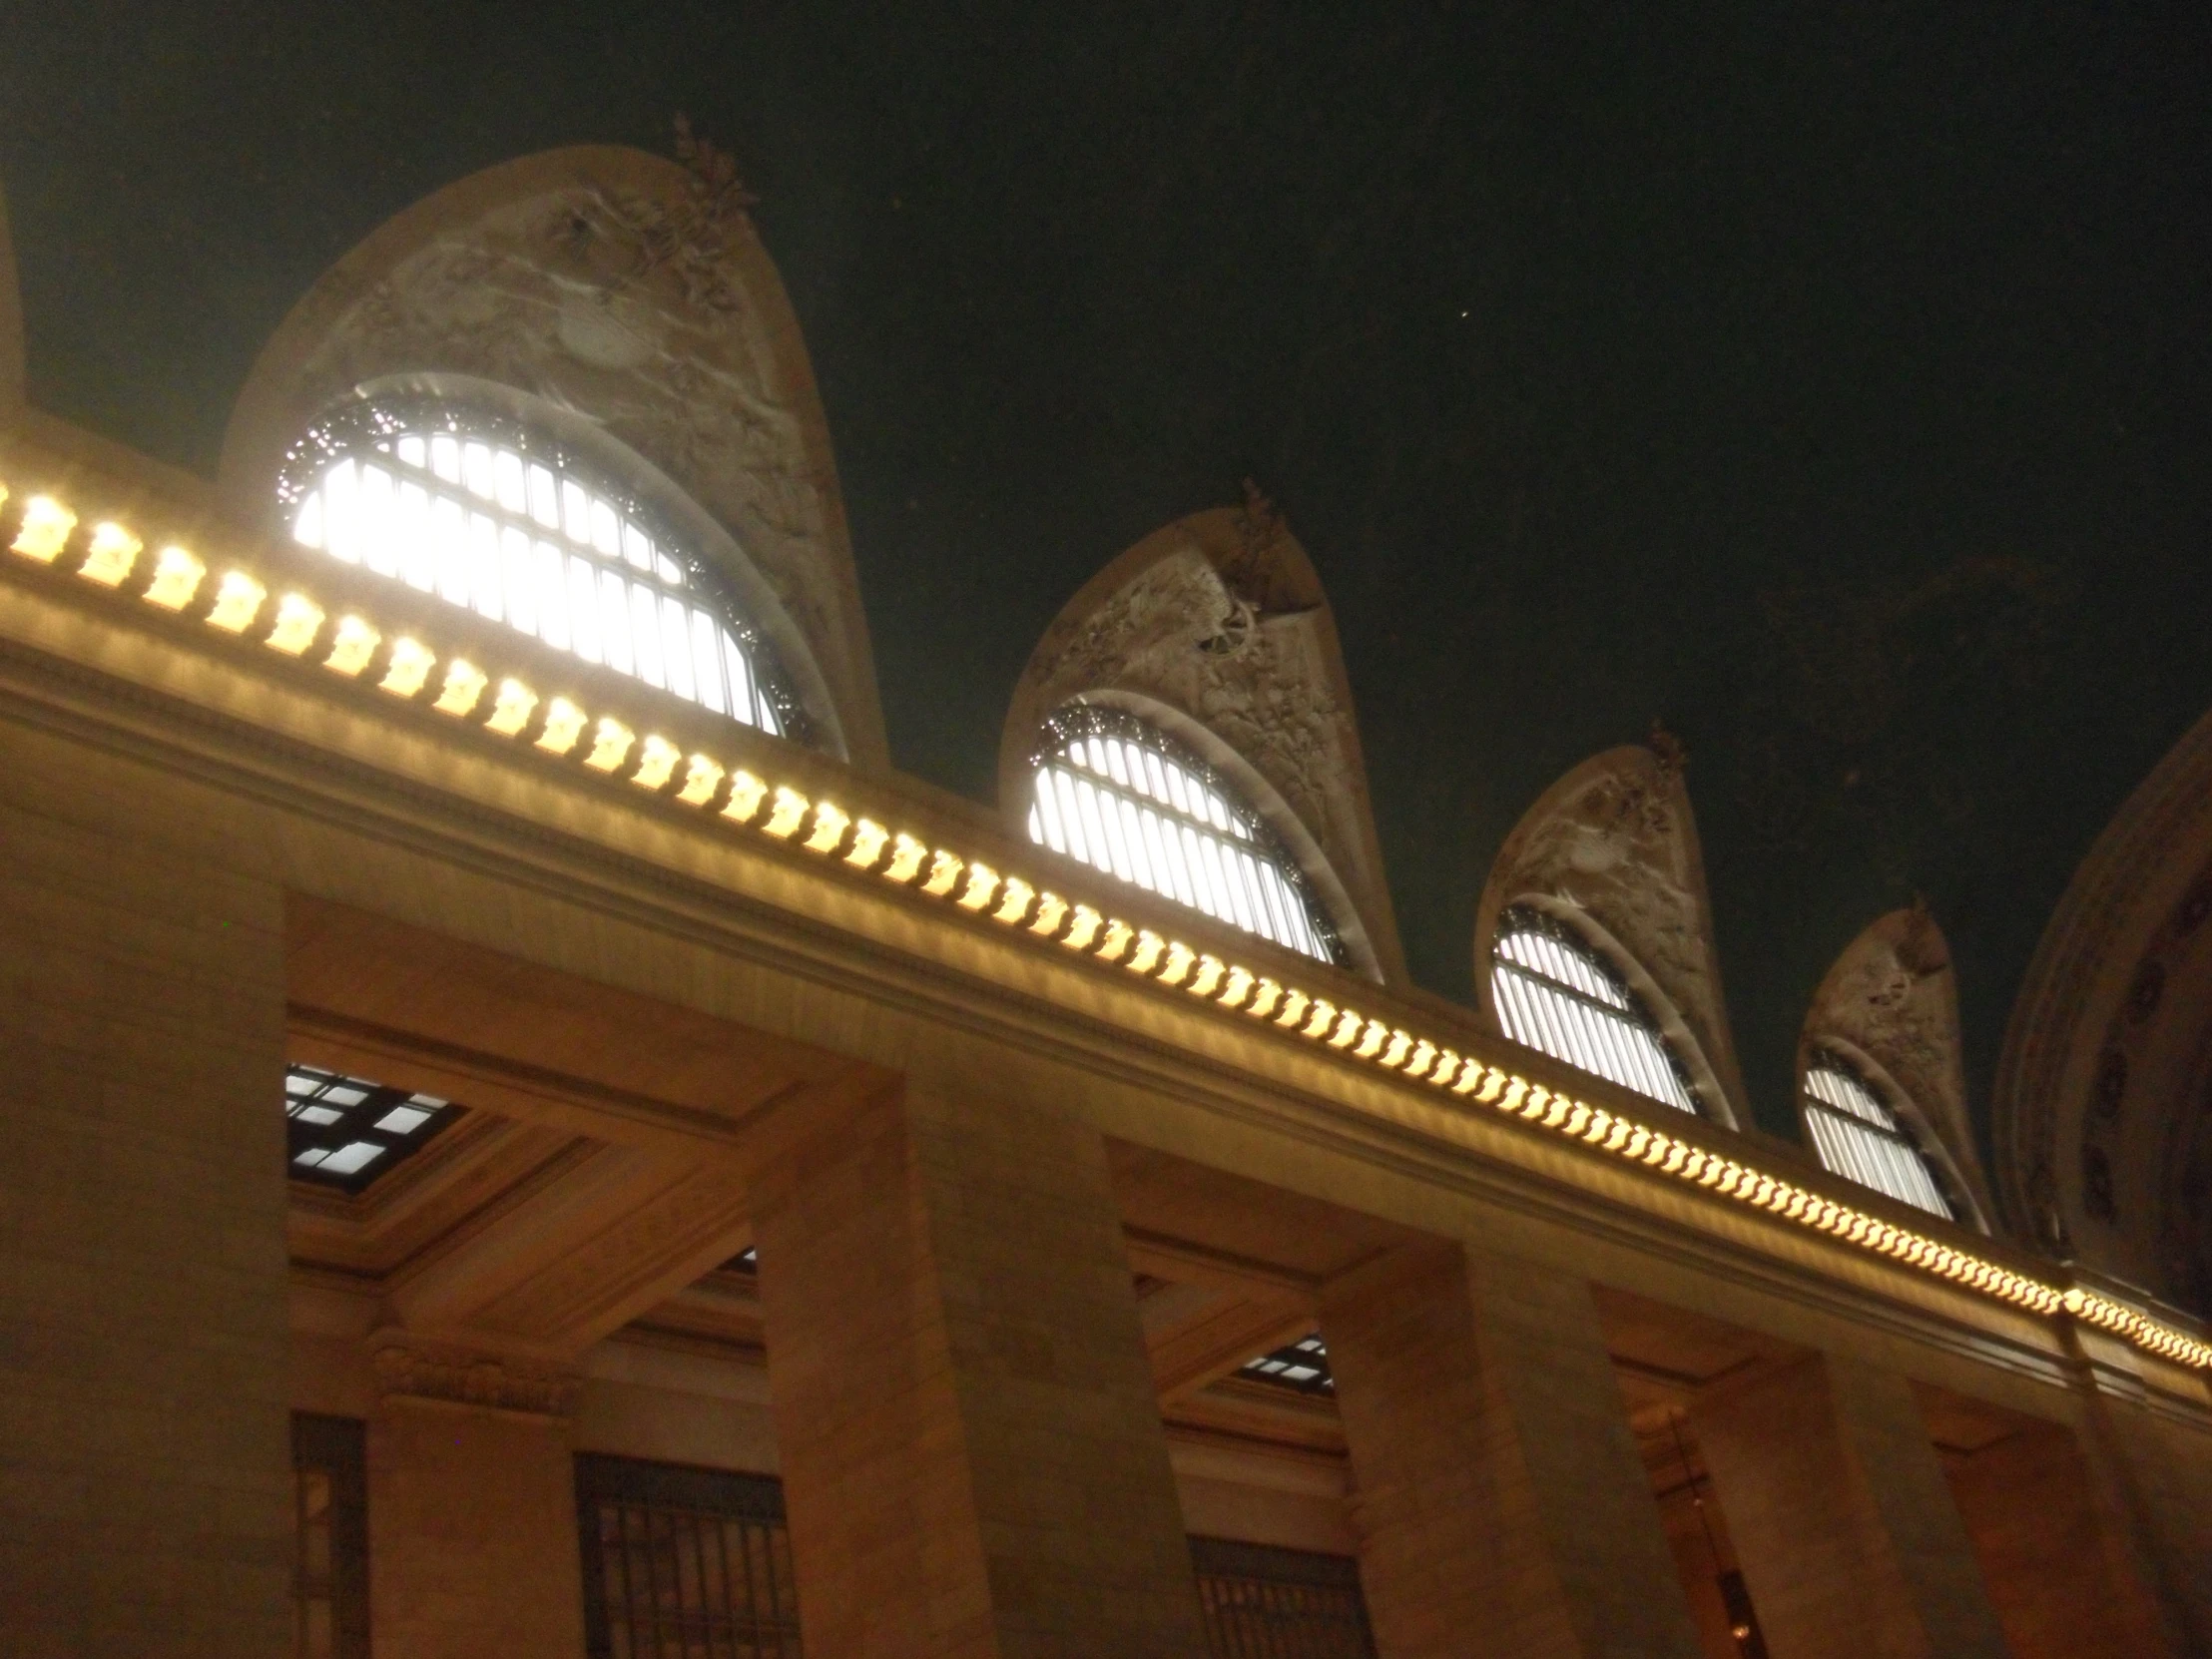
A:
x: 968, y: 919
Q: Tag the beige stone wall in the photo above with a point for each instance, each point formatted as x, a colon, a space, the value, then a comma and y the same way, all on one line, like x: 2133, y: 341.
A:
x: 144, y: 1478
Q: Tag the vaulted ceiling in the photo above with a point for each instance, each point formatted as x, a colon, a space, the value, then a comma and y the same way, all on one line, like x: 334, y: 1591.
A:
x: 1834, y: 390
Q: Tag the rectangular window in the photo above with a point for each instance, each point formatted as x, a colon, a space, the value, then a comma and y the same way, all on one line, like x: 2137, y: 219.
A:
x: 1262, y: 1602
x: 684, y: 1561
x: 330, y: 1587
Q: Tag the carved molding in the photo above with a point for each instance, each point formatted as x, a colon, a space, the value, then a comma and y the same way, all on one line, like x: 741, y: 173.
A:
x: 1890, y: 1004
x: 417, y: 1367
x: 624, y: 296
x: 1218, y: 623
x: 1612, y: 850
x: 2069, y: 1130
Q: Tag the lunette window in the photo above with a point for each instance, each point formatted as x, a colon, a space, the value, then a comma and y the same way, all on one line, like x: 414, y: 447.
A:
x: 490, y: 515
x: 1558, y: 996
x: 1126, y: 799
x: 1858, y: 1138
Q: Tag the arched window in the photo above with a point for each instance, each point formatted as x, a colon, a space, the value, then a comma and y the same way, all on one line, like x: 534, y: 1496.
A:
x: 1555, y: 994
x: 1121, y: 795
x: 492, y: 515
x: 1860, y: 1138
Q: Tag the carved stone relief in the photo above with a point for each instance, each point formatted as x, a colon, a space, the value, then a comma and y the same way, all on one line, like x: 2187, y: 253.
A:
x: 421, y: 1368
x: 633, y: 295
x: 1614, y: 844
x: 1221, y: 619
x: 1891, y: 1001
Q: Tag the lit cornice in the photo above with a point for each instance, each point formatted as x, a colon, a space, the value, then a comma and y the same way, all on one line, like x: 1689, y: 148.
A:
x: 261, y: 607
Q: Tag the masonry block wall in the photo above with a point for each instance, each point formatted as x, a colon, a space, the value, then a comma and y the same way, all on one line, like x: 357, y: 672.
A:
x: 144, y: 1476
x: 972, y: 1455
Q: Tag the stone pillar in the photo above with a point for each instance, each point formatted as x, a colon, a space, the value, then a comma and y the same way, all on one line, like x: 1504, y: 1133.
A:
x: 971, y: 1445
x: 472, y: 1542
x: 1842, y: 1519
x: 2062, y: 1587
x: 145, y: 1462
x: 1502, y: 1507
x: 2158, y: 1472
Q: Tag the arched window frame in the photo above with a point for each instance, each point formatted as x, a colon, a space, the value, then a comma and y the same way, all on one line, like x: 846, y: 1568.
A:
x: 1582, y: 1027
x: 360, y: 426
x: 1837, y: 1131
x: 1077, y: 721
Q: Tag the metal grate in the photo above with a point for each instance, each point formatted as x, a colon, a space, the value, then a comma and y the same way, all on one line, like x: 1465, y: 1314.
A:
x: 684, y: 1563
x: 329, y: 1584
x: 1556, y: 995
x: 1260, y: 1602
x: 1130, y: 800
x: 1859, y: 1137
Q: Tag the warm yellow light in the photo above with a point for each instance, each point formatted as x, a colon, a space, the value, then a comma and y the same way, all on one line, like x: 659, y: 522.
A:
x: 1474, y: 1076
x: 299, y: 620
x: 746, y: 794
x: 408, y: 667
x: 511, y: 706
x: 869, y: 841
x: 1118, y: 935
x: 1439, y: 1075
x: 1324, y: 1016
x: 1239, y: 987
x: 1209, y: 976
x: 1146, y: 957
x: 1052, y: 910
x: 944, y: 871
x: 1265, y: 994
x: 114, y: 550
x: 1084, y: 929
x: 1014, y: 904
x: 1180, y: 958
x: 831, y: 823
x: 238, y: 597
x: 1372, y: 1041
x: 176, y: 577
x: 787, y: 814
x: 982, y: 881
x: 564, y: 724
x: 658, y: 760
x: 1349, y: 1026
x: 352, y: 646
x: 464, y: 683
x: 610, y: 746
x: 45, y: 529
x: 1400, y: 1046
x: 906, y: 856
x: 702, y: 776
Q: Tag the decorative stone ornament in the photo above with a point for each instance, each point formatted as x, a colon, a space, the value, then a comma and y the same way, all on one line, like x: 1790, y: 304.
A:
x: 1216, y: 630
x: 623, y: 305
x: 417, y: 1367
x: 1611, y: 852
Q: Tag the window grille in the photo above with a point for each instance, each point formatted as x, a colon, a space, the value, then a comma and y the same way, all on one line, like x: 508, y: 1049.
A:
x: 329, y: 1585
x: 1858, y: 1137
x: 1265, y: 1603
x: 684, y: 1562
x: 1555, y: 994
x: 492, y: 515
x: 1303, y: 1364
x: 344, y: 1130
x: 1128, y: 800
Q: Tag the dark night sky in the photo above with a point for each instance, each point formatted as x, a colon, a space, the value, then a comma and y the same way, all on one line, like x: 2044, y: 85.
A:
x: 1835, y: 386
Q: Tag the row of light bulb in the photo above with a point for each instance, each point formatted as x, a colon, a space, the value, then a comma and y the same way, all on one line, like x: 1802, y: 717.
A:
x: 296, y: 626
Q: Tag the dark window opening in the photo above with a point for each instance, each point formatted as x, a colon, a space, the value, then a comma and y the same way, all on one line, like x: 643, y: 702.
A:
x: 329, y: 1584
x: 1262, y: 1602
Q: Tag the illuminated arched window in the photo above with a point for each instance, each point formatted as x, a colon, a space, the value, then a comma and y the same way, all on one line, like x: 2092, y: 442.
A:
x: 490, y: 514
x: 1122, y: 795
x: 1860, y: 1138
x: 1557, y: 995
